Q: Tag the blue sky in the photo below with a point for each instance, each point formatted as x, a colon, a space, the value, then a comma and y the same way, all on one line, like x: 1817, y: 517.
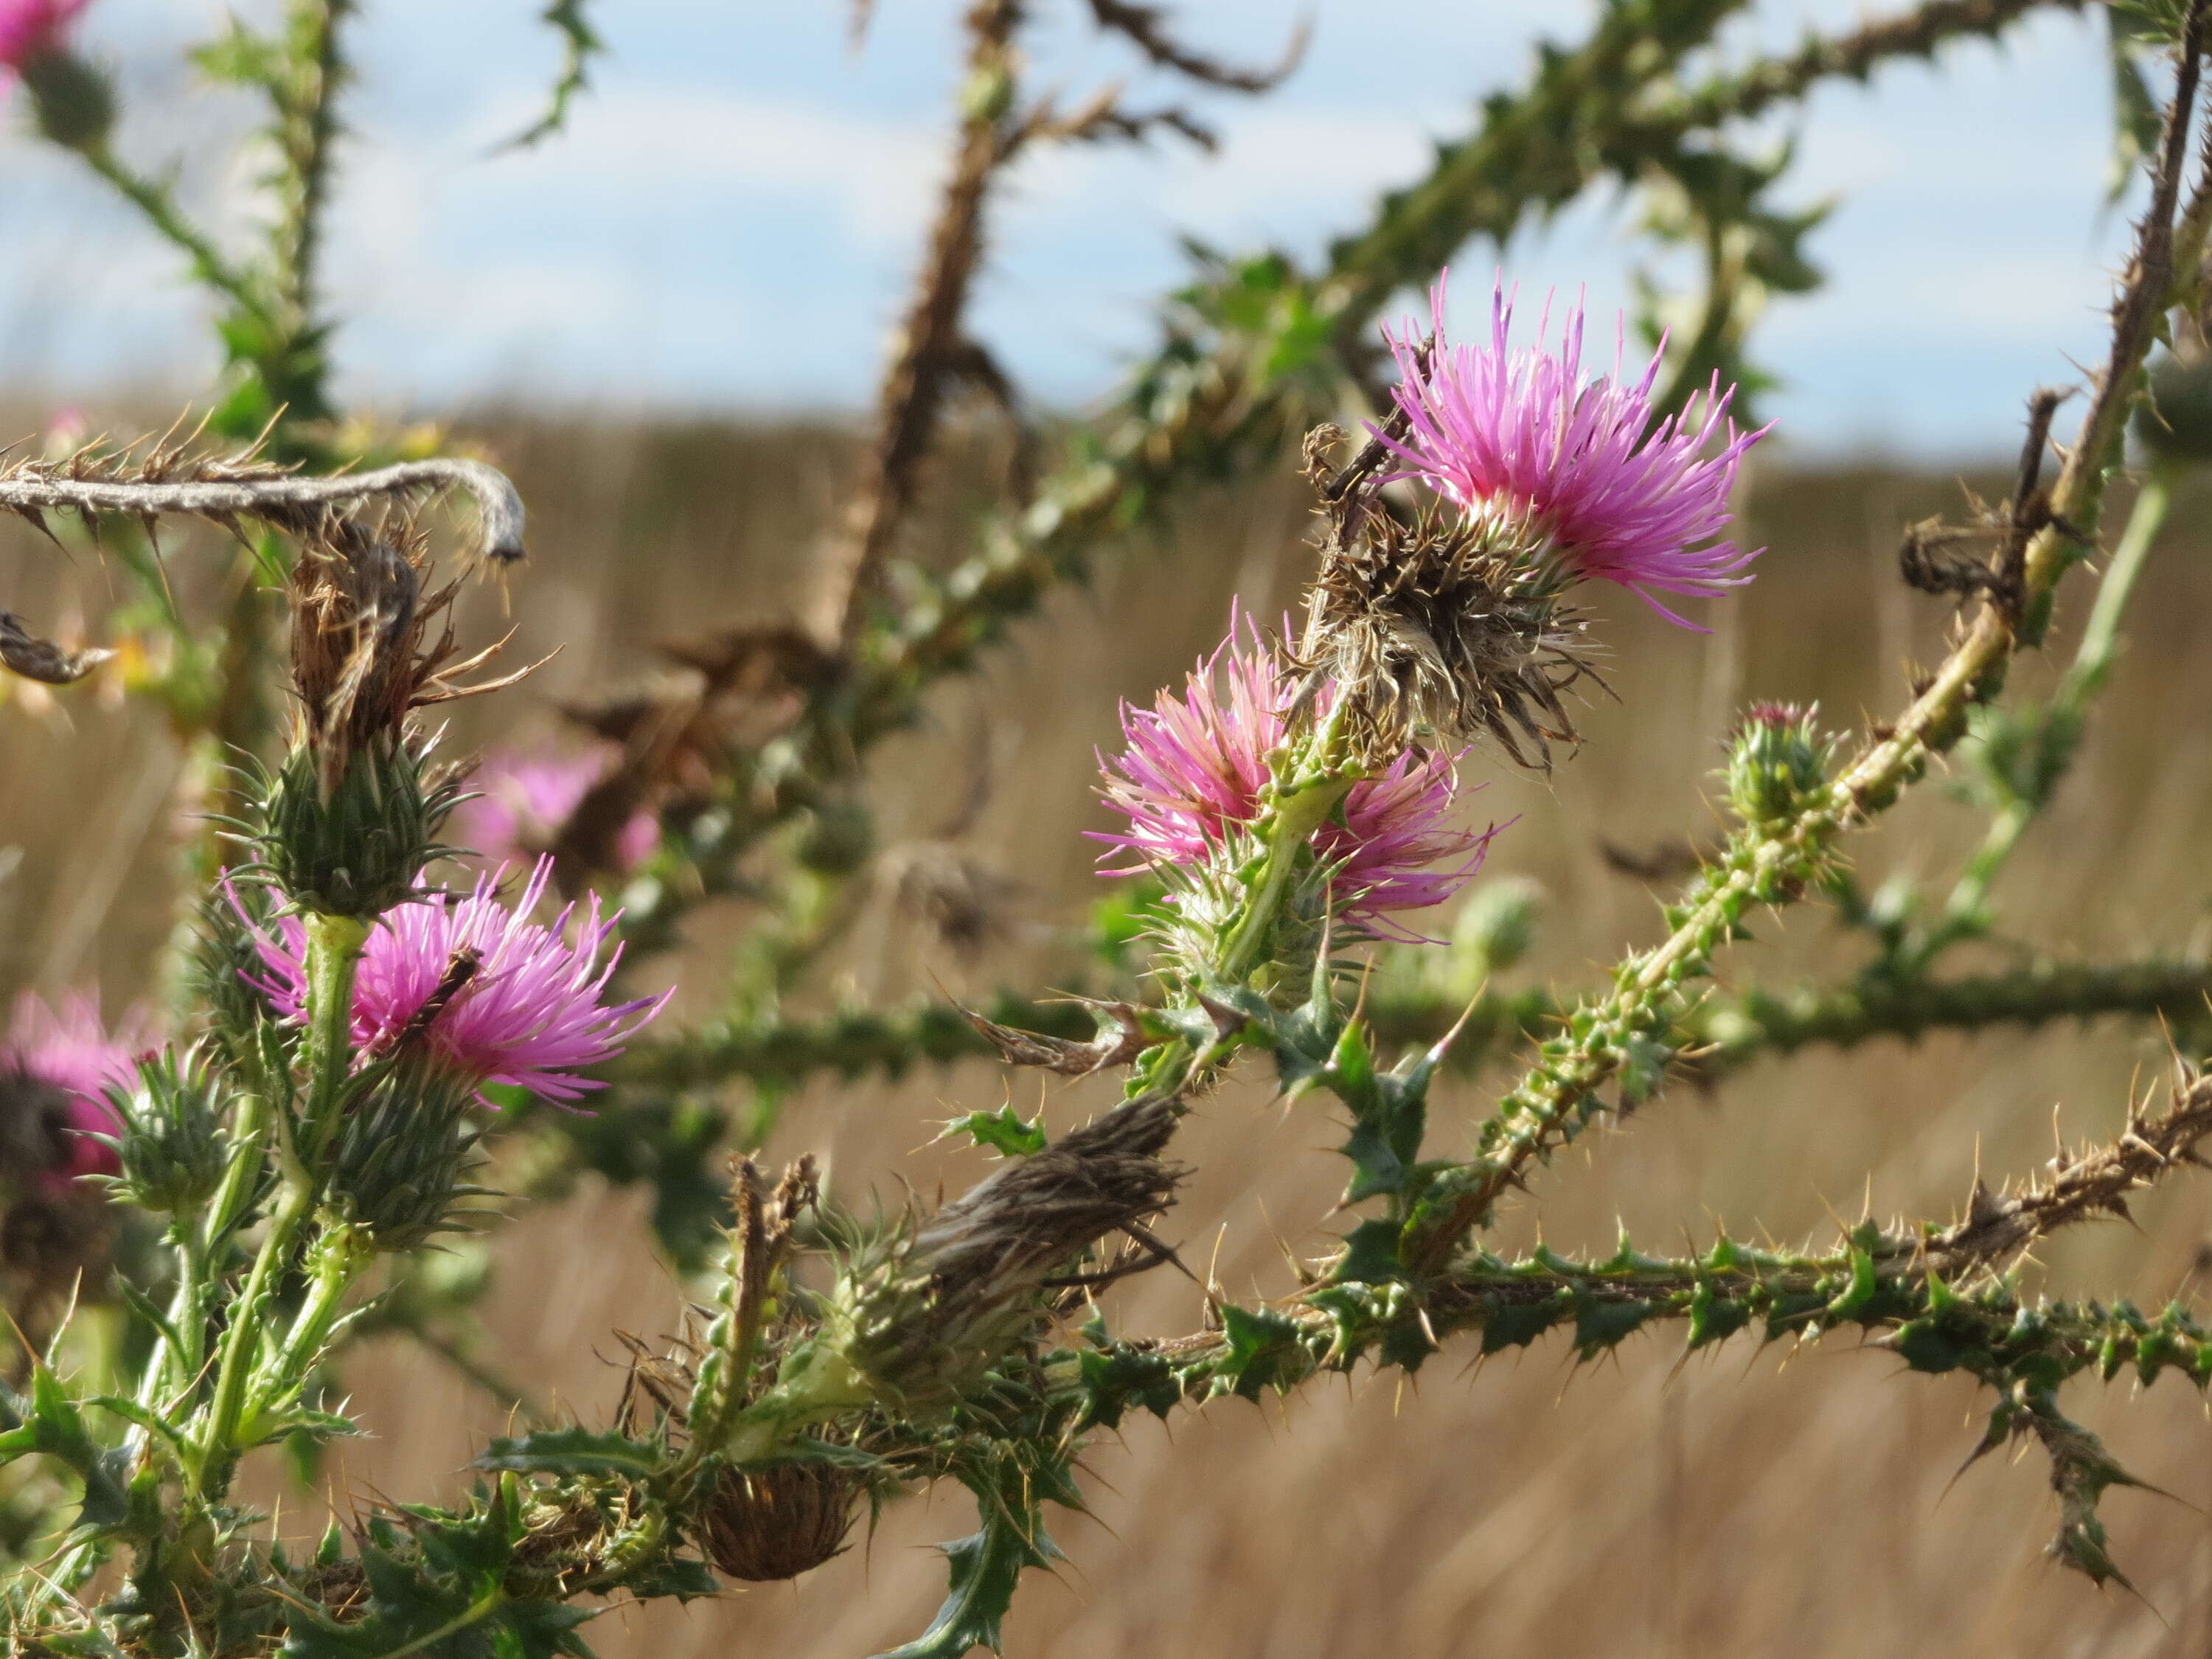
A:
x: 730, y: 221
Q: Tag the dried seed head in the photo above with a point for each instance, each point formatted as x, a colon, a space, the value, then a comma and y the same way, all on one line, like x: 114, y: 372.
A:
x: 764, y: 1524
x: 362, y: 655
x: 924, y: 1310
x: 1439, y: 629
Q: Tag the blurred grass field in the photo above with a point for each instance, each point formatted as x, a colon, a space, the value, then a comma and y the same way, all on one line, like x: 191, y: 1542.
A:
x: 1734, y: 1505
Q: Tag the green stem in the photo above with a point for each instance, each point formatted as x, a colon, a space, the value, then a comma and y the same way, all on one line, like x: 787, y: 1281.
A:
x: 248, y: 1157
x: 2100, y: 636
x: 161, y: 211
x: 1965, y: 911
x: 227, y: 1408
x: 334, y: 946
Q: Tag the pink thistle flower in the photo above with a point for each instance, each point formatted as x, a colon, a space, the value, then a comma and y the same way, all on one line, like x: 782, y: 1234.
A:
x: 530, y: 1014
x: 69, y: 1049
x: 526, y: 800
x: 1196, y: 766
x: 32, y: 29
x: 1521, y: 438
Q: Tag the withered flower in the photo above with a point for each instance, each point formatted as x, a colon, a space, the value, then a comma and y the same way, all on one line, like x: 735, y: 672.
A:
x: 353, y: 814
x: 924, y: 1310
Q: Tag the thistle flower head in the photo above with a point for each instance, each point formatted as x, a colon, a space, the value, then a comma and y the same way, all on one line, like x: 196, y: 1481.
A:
x: 69, y: 1050
x: 524, y: 801
x: 1569, y: 469
x: 490, y: 995
x: 31, y: 29
x: 1196, y: 768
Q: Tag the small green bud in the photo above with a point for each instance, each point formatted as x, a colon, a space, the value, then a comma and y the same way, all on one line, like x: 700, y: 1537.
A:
x: 840, y: 833
x: 1778, y: 762
x: 1494, y: 928
x: 170, y: 1143
x: 223, y: 962
x: 71, y: 100
x: 2175, y: 424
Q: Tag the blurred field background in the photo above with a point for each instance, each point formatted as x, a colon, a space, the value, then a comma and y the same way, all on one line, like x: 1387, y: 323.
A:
x: 1736, y: 1505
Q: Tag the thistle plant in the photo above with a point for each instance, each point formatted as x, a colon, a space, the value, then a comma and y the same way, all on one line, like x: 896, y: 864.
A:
x: 414, y: 980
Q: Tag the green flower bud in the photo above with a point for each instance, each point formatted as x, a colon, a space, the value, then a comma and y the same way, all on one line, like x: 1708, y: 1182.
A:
x: 71, y: 100
x: 402, y: 1153
x: 358, y: 846
x: 1496, y: 926
x: 2175, y: 424
x: 840, y: 834
x: 170, y: 1142
x: 1777, y: 762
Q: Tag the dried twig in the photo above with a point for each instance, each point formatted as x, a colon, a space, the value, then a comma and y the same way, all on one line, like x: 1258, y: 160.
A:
x: 1145, y: 28
x: 224, y: 491
x: 2092, y: 1183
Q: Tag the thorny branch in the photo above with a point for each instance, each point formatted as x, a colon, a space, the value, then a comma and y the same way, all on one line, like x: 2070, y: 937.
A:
x: 1559, y: 1096
x: 916, y: 382
x: 1145, y: 28
x: 2093, y: 1183
x: 1720, y: 1035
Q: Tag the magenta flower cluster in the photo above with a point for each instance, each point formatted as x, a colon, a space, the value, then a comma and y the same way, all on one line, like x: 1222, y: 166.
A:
x: 1196, y: 765
x: 530, y: 1016
x: 30, y: 28
x: 1519, y: 437
x: 69, y: 1049
x: 523, y: 800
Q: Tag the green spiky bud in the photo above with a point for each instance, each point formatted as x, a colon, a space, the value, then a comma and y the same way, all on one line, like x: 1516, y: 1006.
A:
x: 402, y: 1153
x: 220, y: 970
x: 1777, y: 762
x: 169, y: 1139
x: 358, y: 846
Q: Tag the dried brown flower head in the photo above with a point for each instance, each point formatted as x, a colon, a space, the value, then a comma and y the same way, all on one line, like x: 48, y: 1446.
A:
x: 363, y: 652
x: 1432, y: 629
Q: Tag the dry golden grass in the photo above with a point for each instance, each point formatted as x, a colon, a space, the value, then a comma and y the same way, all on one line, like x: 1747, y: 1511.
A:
x: 1735, y: 1506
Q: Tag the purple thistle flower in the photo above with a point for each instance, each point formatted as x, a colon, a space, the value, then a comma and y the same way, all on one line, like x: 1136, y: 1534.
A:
x: 32, y: 29
x: 1196, y: 766
x: 1521, y: 439
x: 527, y: 1015
x: 69, y: 1049
x: 526, y: 800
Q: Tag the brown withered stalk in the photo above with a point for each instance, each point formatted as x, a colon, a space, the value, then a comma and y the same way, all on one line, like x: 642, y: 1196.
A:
x: 921, y: 374
x: 1997, y: 1228
x: 933, y: 355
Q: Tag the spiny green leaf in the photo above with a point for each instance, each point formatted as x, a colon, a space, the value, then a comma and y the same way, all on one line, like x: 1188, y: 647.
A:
x: 1002, y: 1131
x: 985, y: 1569
x: 572, y: 1451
